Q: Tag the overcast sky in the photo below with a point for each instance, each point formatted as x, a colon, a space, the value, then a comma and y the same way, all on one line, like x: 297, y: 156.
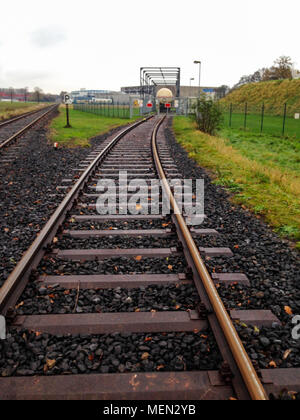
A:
x: 101, y: 44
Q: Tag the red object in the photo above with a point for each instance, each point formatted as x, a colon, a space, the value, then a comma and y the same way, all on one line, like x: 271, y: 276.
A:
x: 149, y: 105
x: 168, y: 105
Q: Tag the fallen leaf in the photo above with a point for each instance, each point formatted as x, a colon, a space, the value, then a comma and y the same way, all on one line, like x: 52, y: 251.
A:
x: 50, y: 363
x: 273, y: 364
x: 170, y: 267
x: 148, y: 339
x: 91, y: 357
x: 145, y: 356
x: 55, y: 239
x: 236, y: 246
x: 287, y: 353
x: 20, y: 304
x: 138, y: 258
x: 288, y: 310
x: 159, y: 367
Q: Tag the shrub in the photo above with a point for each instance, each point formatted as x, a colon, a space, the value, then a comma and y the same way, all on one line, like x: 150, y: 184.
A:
x: 208, y: 116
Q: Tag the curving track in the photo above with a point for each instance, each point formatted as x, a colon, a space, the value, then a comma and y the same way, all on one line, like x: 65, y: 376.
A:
x: 77, y: 234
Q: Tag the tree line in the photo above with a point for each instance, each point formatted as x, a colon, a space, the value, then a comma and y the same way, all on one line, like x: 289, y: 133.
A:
x: 25, y: 95
x: 282, y: 69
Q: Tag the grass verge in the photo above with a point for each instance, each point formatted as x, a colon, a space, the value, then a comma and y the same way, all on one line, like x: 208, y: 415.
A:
x: 10, y: 110
x: 268, y: 188
x: 84, y: 127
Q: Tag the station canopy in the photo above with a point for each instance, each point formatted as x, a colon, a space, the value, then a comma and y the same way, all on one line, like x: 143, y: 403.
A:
x: 151, y: 77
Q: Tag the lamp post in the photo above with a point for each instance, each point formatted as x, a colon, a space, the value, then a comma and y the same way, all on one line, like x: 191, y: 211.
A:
x: 199, y: 62
x: 192, y: 78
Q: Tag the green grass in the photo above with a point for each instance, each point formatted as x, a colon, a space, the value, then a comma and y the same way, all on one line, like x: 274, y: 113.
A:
x: 84, y: 126
x: 272, y: 125
x: 261, y: 172
x: 13, y: 109
x: 277, y: 152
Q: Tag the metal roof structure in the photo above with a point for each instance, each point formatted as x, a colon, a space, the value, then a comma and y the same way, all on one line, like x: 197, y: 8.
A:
x: 150, y: 77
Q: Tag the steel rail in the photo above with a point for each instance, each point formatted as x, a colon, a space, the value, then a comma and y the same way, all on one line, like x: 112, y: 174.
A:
x: 20, y: 132
x: 248, y: 373
x: 17, y: 280
x: 19, y: 117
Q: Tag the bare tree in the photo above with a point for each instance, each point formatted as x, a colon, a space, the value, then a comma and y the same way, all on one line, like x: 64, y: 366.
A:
x: 38, y: 93
x: 11, y: 91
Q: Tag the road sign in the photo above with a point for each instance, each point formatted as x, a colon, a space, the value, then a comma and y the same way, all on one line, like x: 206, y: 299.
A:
x: 149, y: 105
x: 67, y: 99
x: 167, y: 105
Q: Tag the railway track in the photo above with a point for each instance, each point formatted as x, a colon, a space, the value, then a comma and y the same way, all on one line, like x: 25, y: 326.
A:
x: 64, y: 263
x: 14, y: 128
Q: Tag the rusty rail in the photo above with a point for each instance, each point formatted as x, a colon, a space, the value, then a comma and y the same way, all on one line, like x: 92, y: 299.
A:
x: 19, y: 117
x: 17, y: 280
x: 249, y: 375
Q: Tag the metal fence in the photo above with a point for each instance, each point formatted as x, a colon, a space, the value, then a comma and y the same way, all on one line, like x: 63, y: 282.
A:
x: 132, y: 109
x: 279, y: 121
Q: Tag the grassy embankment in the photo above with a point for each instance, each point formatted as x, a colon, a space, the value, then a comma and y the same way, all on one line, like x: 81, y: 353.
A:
x: 10, y: 110
x: 263, y: 172
x: 273, y: 94
x: 84, y: 127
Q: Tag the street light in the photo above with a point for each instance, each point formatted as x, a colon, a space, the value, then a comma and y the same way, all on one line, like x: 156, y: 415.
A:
x: 199, y: 62
x: 192, y: 78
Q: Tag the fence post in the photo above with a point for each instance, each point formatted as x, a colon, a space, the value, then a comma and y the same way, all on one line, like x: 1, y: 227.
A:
x: 245, y: 120
x: 130, y: 108
x: 284, y: 119
x: 262, y: 117
x: 230, y: 116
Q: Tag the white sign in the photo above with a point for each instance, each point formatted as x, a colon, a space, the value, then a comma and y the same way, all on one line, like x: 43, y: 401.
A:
x: 176, y: 104
x: 68, y: 99
x: 297, y: 116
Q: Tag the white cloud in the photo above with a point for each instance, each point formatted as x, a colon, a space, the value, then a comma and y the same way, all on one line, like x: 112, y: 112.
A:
x: 102, y: 44
x: 48, y: 36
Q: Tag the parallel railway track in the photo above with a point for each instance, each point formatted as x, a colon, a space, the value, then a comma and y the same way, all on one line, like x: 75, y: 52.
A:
x: 141, y: 150
x: 12, y: 129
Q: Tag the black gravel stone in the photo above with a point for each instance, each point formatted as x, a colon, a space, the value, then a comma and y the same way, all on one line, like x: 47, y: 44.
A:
x: 145, y: 299
x: 21, y: 354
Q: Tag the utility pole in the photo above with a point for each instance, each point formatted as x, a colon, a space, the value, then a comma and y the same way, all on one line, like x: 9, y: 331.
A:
x: 199, y: 62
